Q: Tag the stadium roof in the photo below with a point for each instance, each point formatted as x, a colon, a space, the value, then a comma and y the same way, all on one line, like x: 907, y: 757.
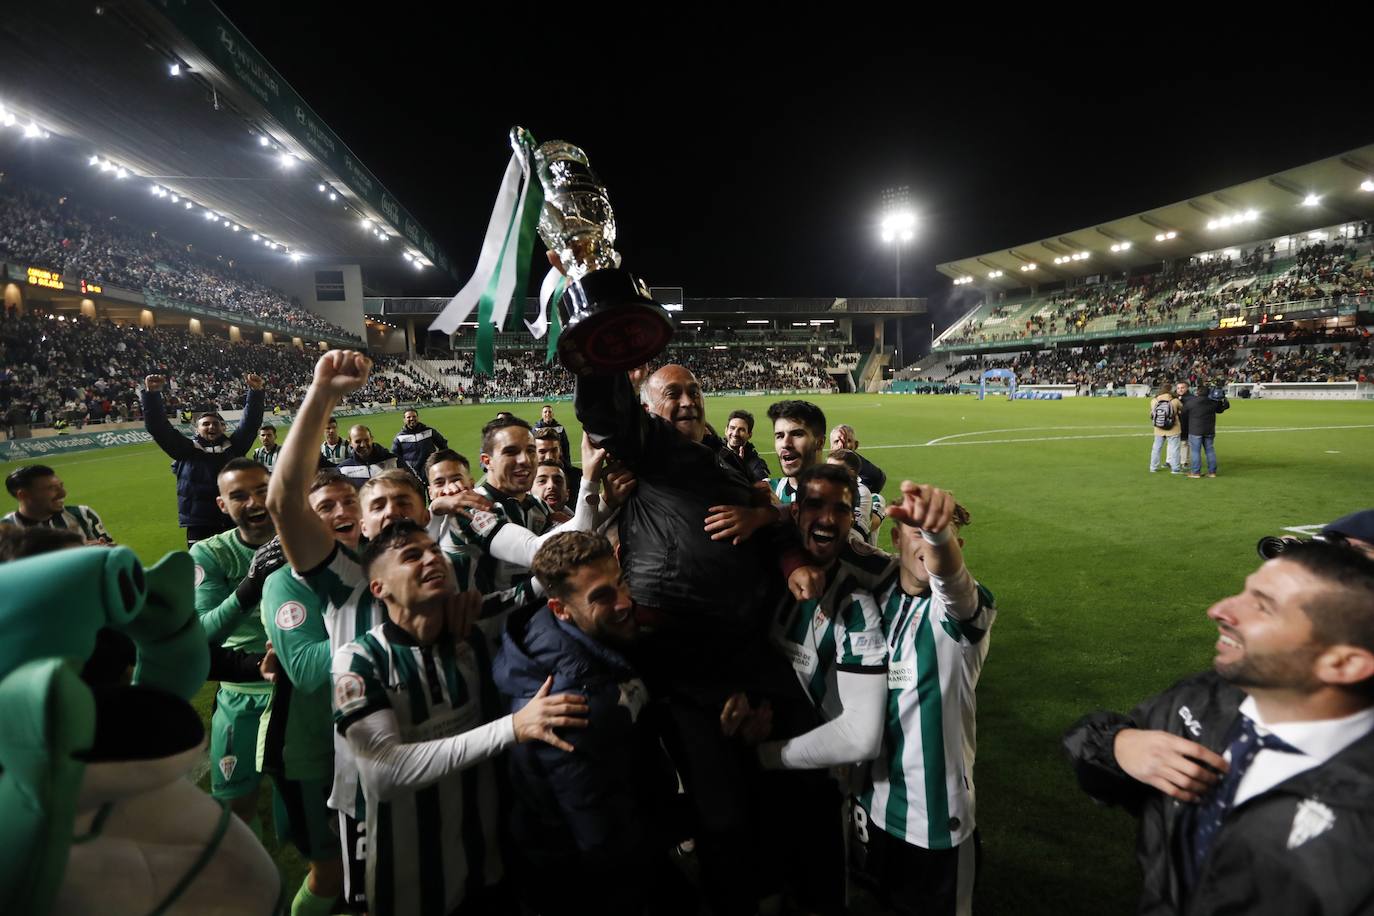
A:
x: 1321, y: 193
x: 224, y: 131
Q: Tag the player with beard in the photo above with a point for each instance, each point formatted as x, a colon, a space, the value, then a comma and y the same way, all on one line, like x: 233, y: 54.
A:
x: 739, y: 429
x: 230, y: 571
x: 551, y: 489
x: 863, y: 509
x: 197, y: 461
x: 43, y: 503
x: 1251, y: 781
x: 413, y: 698
x: 267, y: 454
x: 798, y: 435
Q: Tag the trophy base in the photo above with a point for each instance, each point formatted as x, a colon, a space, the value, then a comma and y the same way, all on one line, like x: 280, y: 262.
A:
x: 611, y: 324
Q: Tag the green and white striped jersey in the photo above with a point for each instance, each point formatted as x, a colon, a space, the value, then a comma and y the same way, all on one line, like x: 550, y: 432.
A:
x: 783, y: 489
x: 878, y: 508
x: 267, y: 457
x: 335, y: 453
x: 81, y: 519
x: 920, y: 788
x: 450, y: 536
x: 840, y: 632
x: 429, y: 847
x: 490, y: 574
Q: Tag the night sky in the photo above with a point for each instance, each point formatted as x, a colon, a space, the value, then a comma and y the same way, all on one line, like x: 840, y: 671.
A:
x: 741, y: 172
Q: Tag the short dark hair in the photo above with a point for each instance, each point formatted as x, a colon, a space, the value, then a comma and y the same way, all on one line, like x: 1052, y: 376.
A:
x: 209, y: 413
x: 27, y: 476
x: 503, y: 420
x: 397, y: 534
x: 552, y: 464
x: 546, y: 432
x: 327, y: 477
x: 266, y: 426
x: 239, y: 464
x: 833, y: 473
x: 18, y: 542
x: 804, y: 412
x: 744, y: 415
x: 563, y: 554
x: 444, y: 454
x: 1342, y: 614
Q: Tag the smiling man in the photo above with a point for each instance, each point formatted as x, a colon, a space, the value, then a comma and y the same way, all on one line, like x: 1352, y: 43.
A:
x: 43, y: 502
x: 1252, y: 780
x: 798, y: 436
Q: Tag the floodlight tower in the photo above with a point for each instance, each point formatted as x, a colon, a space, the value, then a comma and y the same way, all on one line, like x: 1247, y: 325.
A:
x: 898, y: 224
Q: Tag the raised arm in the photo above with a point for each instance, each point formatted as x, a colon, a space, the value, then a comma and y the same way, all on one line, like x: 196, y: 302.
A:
x: 247, y: 431
x: 155, y: 421
x: 612, y: 415
x: 305, y: 539
x: 930, y: 511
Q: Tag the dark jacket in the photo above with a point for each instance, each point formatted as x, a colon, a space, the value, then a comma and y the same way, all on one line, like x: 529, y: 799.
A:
x: 1200, y: 415
x: 594, y: 815
x: 872, y: 475
x: 710, y: 587
x: 195, y: 462
x: 754, y: 465
x: 359, y: 472
x: 562, y: 437
x: 414, y: 446
x: 1264, y: 860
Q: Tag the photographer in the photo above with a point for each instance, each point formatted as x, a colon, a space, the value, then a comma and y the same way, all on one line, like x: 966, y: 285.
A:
x: 1200, y: 419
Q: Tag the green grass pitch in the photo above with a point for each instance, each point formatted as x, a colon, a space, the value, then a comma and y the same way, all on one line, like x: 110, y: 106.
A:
x: 1102, y: 571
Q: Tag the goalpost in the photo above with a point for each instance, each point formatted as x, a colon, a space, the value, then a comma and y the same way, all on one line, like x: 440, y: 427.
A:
x: 1005, y: 374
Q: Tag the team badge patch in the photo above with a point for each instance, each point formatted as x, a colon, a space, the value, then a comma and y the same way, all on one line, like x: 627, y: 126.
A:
x: 349, y: 692
x: 200, y: 575
x: 484, y: 523
x: 227, y: 763
x: 290, y: 615
x: 1311, y: 821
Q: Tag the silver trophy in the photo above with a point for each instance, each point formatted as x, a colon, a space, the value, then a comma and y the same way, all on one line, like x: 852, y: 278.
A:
x: 610, y: 322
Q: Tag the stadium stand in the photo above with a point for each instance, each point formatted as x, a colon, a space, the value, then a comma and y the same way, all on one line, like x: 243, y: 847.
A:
x: 43, y: 229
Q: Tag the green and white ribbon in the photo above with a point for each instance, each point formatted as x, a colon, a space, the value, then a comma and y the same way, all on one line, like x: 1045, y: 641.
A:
x: 548, y: 321
x: 503, y: 268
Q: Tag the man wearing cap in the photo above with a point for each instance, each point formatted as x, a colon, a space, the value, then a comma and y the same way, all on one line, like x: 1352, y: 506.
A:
x: 1355, y: 530
x: 197, y: 461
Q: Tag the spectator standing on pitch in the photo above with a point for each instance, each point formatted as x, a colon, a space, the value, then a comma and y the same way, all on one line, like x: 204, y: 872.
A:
x: 1251, y: 780
x: 43, y: 502
x: 267, y: 453
x: 335, y: 448
x: 197, y: 461
x: 1164, y: 417
x: 367, y: 459
x: 1184, y: 452
x: 548, y: 421
x: 1201, y: 413
x: 415, y: 442
x: 843, y: 436
x: 231, y: 568
x: 739, y: 429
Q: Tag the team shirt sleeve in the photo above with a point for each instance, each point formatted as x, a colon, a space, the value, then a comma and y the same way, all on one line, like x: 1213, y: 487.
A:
x: 517, y: 544
x: 294, y: 623
x: 97, y: 527
x: 860, y: 645
x: 216, y: 604
x: 856, y: 734
x: 963, y: 605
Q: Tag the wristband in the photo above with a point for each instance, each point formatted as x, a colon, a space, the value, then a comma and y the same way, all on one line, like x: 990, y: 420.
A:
x: 936, y: 538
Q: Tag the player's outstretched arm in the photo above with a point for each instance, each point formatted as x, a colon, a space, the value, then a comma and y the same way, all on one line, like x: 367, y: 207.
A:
x: 247, y: 431
x: 305, y: 539
x: 931, y: 511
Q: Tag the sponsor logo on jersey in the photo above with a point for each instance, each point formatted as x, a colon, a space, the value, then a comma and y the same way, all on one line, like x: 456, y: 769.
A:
x: 484, y: 523
x: 200, y: 575
x: 349, y: 692
x: 290, y: 615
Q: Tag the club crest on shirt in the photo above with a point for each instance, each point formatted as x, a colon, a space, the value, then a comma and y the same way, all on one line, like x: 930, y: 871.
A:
x: 1311, y: 821
x: 633, y: 696
x: 484, y: 522
x: 349, y: 691
x: 290, y: 615
x: 227, y: 763
x: 200, y: 575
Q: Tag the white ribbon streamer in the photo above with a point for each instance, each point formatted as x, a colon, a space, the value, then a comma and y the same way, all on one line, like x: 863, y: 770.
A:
x: 540, y: 326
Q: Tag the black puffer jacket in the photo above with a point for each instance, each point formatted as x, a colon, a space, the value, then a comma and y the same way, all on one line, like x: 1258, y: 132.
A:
x: 1302, y: 847
x: 195, y: 462
x: 1200, y: 414
x: 669, y: 560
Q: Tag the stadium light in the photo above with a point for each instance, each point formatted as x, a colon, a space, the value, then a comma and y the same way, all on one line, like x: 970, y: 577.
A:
x: 174, y: 69
x: 94, y: 160
x: 1311, y: 200
x: 188, y: 205
x: 105, y: 166
x: 320, y: 187
x: 1027, y: 267
x: 287, y: 160
x: 333, y: 196
x: 756, y: 321
x: 236, y: 227
x: 720, y: 347
x: 994, y: 275
x: 209, y: 214
x: 367, y: 223
x: 295, y: 256
x: 176, y: 199
x: 121, y: 173
x: 1367, y: 185
x: 799, y: 324
x: 692, y: 321
x: 256, y: 236
x: 262, y: 140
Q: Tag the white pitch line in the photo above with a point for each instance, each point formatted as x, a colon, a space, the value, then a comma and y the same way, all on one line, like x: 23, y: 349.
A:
x: 1029, y: 429
x: 936, y: 443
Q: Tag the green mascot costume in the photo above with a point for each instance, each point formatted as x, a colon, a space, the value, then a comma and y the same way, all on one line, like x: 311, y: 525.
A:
x: 96, y: 815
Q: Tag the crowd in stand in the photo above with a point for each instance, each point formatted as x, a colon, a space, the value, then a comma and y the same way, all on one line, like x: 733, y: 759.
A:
x: 78, y: 370
x: 1219, y: 286
x: 51, y: 232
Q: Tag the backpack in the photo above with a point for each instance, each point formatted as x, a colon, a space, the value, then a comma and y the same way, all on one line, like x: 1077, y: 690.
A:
x: 1163, y: 414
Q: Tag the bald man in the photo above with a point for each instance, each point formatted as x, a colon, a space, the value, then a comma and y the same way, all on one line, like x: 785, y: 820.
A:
x: 704, y: 604
x: 368, y: 459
